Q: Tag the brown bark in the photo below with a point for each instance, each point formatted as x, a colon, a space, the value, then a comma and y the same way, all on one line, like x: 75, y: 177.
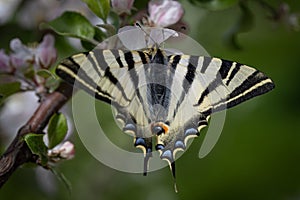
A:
x: 18, y: 152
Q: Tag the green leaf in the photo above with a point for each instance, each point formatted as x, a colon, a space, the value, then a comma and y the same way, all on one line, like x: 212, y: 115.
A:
x: 8, y: 89
x: 45, y: 73
x: 87, y: 45
x: 62, y: 178
x: 37, y: 146
x: 72, y: 24
x: 29, y: 72
x: 244, y: 23
x: 57, y: 129
x: 111, y: 30
x: 99, y: 7
x: 99, y: 36
x: 52, y: 83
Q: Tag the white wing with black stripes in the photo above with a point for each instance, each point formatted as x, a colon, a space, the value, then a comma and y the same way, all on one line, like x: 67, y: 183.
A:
x: 168, y: 97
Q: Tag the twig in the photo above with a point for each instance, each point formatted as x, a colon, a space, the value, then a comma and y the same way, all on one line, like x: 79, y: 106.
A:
x: 18, y: 152
x: 268, y: 7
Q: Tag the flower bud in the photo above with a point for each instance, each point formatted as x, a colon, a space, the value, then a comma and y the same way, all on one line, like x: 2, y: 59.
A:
x: 4, y: 63
x: 67, y: 150
x: 45, y: 54
x: 121, y: 6
x: 164, y: 13
x: 21, y: 55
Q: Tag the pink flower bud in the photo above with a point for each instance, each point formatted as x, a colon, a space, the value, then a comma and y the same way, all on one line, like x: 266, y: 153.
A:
x: 67, y: 150
x: 21, y: 55
x: 164, y: 13
x: 4, y: 63
x: 45, y: 54
x: 121, y: 6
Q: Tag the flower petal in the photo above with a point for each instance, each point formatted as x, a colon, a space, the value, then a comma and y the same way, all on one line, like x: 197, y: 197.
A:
x: 4, y: 62
x: 21, y: 55
x: 46, y: 52
x: 67, y: 150
x: 164, y: 13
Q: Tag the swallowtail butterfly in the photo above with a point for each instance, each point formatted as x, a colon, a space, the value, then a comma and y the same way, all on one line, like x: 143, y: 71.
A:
x: 163, y: 99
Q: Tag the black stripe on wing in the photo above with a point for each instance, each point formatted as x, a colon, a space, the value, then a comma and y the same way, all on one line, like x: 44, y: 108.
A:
x: 205, y: 64
x: 69, y: 70
x: 104, y: 66
x: 241, y: 82
x: 175, y: 61
x: 133, y: 74
x: 259, y: 83
x: 225, y: 68
x: 97, y: 73
x: 212, y: 86
x: 233, y: 73
x: 188, y: 77
x: 115, y: 52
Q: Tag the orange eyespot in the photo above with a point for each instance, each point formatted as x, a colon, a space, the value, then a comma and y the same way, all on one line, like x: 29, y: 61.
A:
x: 162, y: 126
x: 165, y: 127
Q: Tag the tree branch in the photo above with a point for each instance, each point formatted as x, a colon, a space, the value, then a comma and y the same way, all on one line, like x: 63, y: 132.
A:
x: 18, y: 152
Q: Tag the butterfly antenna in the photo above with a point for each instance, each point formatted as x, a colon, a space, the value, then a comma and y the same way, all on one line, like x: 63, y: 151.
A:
x: 163, y: 35
x: 147, y: 34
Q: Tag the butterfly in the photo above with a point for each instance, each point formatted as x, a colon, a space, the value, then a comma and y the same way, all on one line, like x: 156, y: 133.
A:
x: 162, y: 99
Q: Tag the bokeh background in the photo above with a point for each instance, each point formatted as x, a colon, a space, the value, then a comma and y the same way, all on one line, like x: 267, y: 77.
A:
x: 257, y: 155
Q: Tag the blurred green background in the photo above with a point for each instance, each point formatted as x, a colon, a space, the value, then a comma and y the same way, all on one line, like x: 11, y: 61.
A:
x: 257, y: 155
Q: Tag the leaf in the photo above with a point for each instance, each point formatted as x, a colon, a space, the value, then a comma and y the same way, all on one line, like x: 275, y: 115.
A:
x: 244, y: 23
x: 87, y: 45
x: 62, y: 178
x: 111, y: 30
x: 28, y: 73
x: 99, y: 36
x: 37, y: 146
x: 72, y: 24
x: 8, y: 89
x: 57, y: 129
x: 45, y: 73
x: 52, y: 83
x: 99, y: 7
